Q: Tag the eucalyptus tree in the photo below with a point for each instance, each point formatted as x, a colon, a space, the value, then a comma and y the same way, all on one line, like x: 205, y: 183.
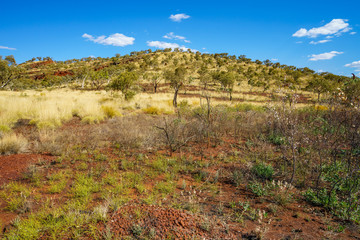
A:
x: 155, y: 79
x: 125, y: 83
x: 9, y: 71
x: 319, y: 85
x: 226, y: 79
x: 177, y: 80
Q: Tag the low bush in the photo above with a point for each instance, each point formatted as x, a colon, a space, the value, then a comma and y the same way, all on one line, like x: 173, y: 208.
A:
x: 263, y: 171
x: 110, y: 112
x: 91, y: 119
x: 152, y: 110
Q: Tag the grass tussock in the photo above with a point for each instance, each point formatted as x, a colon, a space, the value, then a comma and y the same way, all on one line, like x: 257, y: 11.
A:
x: 11, y: 144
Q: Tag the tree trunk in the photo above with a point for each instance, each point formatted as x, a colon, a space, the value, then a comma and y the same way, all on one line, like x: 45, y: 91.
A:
x: 175, y: 97
x: 6, y: 83
x: 83, y: 83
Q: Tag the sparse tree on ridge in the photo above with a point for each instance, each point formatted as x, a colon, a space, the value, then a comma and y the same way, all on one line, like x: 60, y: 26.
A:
x: 176, y: 79
x: 124, y: 82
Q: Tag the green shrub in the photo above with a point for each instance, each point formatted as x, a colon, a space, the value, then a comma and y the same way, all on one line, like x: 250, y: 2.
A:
x: 263, y: 171
x: 258, y: 189
x: 277, y: 139
x: 344, y: 198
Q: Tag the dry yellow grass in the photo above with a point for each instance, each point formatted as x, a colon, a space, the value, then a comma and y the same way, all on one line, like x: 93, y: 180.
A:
x: 11, y: 144
x: 49, y: 109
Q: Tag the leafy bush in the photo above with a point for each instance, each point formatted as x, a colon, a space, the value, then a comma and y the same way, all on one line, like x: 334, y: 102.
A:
x: 258, y: 189
x: 277, y: 139
x: 124, y: 82
x: 343, y: 198
x: 263, y: 171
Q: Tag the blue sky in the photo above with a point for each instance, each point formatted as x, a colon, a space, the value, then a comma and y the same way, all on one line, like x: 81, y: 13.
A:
x: 322, y: 35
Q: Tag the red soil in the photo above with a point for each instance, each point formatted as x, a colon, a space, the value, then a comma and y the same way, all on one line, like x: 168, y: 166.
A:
x: 63, y: 73
x: 13, y: 167
x: 164, y: 223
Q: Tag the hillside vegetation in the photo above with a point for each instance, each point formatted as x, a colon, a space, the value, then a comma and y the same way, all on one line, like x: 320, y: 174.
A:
x: 177, y: 145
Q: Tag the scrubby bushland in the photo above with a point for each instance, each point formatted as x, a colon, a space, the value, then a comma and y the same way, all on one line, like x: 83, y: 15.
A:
x: 321, y: 147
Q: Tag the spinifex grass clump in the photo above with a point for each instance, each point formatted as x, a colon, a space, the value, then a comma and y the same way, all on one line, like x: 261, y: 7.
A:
x: 11, y: 144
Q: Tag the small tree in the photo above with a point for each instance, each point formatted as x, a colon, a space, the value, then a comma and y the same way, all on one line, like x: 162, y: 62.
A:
x: 155, y: 79
x: 8, y: 71
x: 319, y: 85
x: 124, y: 82
x: 227, y: 80
x: 99, y: 78
x: 176, y: 79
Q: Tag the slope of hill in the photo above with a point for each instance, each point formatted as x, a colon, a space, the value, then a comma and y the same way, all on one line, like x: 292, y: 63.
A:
x: 177, y: 145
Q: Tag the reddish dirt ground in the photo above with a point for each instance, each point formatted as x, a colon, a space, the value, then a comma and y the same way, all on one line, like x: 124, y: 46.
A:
x: 296, y: 220
x: 13, y: 167
x: 162, y: 223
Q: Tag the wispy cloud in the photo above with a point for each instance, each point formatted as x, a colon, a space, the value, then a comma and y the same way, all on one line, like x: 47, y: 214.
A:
x: 179, y: 17
x: 171, y: 35
x: 355, y: 65
x: 324, y: 56
x: 321, y: 41
x: 116, y: 39
x: 335, y: 27
x: 7, y: 48
x: 163, y: 45
x: 353, y: 33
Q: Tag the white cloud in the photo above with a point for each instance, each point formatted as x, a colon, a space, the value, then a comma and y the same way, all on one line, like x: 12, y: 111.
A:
x: 324, y: 56
x: 163, y: 45
x: 353, y: 33
x: 355, y: 64
x: 321, y: 41
x: 299, y: 42
x: 171, y: 35
x: 274, y: 59
x: 116, y: 39
x: 179, y: 17
x: 335, y: 27
x: 7, y: 48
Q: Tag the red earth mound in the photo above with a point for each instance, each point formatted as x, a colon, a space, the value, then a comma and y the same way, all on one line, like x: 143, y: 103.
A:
x: 164, y: 223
